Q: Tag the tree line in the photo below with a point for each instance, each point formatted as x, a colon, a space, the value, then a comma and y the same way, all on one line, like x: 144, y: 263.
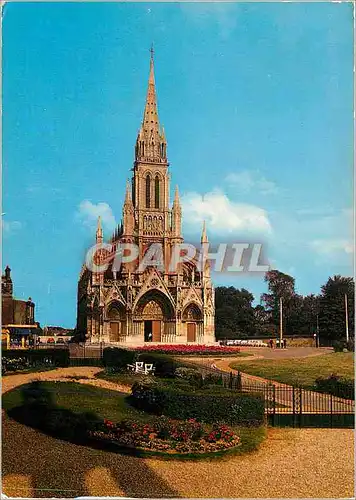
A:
x: 322, y: 314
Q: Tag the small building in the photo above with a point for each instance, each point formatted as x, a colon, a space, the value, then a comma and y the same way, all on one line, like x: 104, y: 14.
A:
x: 18, y: 316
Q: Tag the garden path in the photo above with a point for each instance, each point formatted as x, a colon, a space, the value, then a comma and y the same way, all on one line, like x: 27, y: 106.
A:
x: 291, y: 463
x: 81, y: 375
x: 311, y: 401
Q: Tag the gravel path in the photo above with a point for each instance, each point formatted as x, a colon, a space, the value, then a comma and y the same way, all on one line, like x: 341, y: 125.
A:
x: 290, y: 463
x: 64, y: 375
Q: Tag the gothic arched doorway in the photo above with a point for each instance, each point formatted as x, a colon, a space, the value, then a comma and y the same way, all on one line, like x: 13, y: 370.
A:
x: 116, y: 318
x: 193, y: 319
x: 154, y: 316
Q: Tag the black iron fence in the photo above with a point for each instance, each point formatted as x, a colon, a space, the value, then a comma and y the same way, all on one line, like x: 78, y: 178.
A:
x: 285, y: 405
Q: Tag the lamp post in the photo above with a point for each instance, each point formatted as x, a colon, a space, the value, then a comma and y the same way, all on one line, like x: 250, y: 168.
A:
x: 280, y: 322
x: 346, y: 319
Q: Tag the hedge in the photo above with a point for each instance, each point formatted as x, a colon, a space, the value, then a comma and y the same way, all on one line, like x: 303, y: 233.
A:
x: 19, y: 359
x: 337, y: 386
x: 212, y: 404
x: 117, y: 359
x: 341, y: 345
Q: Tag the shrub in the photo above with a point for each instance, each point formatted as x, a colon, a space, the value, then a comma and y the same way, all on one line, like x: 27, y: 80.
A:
x: 342, y: 345
x: 337, y: 386
x: 189, y: 374
x: 212, y: 404
x: 212, y: 379
x: 339, y: 346
x: 15, y: 360
x: 116, y: 359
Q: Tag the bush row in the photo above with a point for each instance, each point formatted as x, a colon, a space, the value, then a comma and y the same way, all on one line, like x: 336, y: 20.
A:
x: 17, y: 360
x: 337, y: 386
x: 342, y: 345
x: 210, y: 405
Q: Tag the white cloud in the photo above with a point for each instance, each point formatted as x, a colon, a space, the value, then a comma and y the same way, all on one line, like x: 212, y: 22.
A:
x: 223, y: 14
x: 248, y: 180
x: 224, y: 215
x: 89, y: 212
x: 10, y: 227
x: 330, y: 247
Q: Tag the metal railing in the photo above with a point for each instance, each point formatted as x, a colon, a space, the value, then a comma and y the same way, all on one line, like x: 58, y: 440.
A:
x: 285, y: 405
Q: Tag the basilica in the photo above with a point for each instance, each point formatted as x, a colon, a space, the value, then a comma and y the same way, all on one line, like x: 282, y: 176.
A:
x: 135, y: 306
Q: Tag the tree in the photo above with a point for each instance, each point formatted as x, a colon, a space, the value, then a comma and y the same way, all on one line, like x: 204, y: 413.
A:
x: 234, y: 313
x: 332, y: 318
x: 263, y: 324
x: 280, y: 286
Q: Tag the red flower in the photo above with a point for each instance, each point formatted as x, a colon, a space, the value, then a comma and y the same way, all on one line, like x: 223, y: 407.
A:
x: 194, y: 348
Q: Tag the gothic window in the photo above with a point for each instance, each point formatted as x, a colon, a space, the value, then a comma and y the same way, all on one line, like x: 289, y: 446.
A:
x: 148, y: 191
x: 157, y: 192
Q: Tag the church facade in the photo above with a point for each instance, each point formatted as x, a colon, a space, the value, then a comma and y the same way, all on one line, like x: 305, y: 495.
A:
x: 135, y: 306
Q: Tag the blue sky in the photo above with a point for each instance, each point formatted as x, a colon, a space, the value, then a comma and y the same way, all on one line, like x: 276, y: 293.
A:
x: 257, y: 104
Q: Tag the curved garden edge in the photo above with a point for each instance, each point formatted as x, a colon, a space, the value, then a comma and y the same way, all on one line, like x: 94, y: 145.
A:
x: 169, y: 455
x: 113, y: 447
x: 250, y: 439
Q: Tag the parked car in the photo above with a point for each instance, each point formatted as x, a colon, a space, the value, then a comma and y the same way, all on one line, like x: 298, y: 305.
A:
x: 244, y: 342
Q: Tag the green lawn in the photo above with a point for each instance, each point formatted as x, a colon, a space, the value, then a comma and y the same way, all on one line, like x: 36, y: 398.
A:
x: 112, y: 405
x: 83, y: 398
x: 125, y: 378
x: 300, y: 371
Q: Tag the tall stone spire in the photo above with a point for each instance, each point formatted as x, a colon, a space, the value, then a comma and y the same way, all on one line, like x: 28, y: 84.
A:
x: 99, y: 231
x: 151, y: 143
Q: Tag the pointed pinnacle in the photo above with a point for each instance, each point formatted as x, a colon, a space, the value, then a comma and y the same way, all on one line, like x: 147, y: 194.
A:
x: 128, y: 197
x: 204, y: 237
x: 176, y: 196
x: 99, y: 230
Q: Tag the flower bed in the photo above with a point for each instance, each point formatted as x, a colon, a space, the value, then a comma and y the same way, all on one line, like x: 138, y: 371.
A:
x: 169, y: 436
x: 188, y: 349
x: 14, y: 364
x: 12, y: 360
